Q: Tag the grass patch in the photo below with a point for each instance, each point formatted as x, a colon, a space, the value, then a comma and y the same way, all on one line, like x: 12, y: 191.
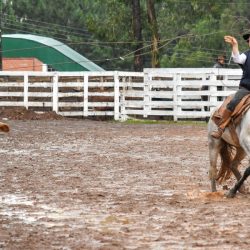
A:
x: 141, y: 121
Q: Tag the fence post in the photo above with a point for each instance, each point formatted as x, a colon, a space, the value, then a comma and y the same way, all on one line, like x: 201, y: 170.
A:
x: 147, y: 98
x: 86, y: 95
x: 122, y: 100
x: 26, y: 90
x: 176, y: 82
x: 213, y: 92
x: 55, y: 93
x: 117, y: 96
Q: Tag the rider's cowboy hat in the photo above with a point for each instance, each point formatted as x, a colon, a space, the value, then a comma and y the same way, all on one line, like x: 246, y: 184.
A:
x: 246, y: 36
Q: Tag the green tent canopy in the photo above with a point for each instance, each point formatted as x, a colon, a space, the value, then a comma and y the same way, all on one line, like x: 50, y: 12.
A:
x: 55, y: 54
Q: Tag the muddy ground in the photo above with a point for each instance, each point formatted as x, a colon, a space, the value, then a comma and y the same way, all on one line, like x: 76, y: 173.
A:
x: 81, y: 184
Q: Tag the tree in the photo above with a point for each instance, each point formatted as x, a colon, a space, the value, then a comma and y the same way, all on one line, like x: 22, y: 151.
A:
x: 155, y: 62
x: 193, y: 38
x: 137, y: 30
x: 116, y: 35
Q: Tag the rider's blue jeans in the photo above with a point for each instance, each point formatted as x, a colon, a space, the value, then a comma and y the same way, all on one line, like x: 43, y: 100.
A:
x: 237, y: 98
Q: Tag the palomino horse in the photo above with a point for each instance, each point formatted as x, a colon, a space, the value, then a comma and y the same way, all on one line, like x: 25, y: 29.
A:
x: 4, y: 127
x: 231, y: 153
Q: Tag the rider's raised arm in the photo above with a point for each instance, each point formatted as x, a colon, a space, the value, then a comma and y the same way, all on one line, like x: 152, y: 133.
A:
x: 239, y: 58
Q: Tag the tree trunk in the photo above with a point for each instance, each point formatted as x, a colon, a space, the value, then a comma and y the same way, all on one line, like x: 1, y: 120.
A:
x: 137, y: 29
x: 155, y: 62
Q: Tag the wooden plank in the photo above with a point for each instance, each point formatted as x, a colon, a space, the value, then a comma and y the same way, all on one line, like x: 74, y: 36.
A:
x: 40, y: 104
x: 9, y: 94
x: 11, y: 84
x: 132, y: 85
x: 152, y: 112
x: 101, y: 94
x: 101, y: 113
x: 101, y: 84
x: 101, y: 104
x: 11, y: 104
x: 70, y: 94
x: 91, y: 105
x: 153, y: 104
x: 70, y: 84
x: 41, y: 94
x: 40, y: 85
x: 70, y: 104
x: 68, y: 113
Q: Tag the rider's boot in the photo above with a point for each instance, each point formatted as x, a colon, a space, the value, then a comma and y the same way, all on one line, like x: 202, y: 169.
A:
x: 224, y: 121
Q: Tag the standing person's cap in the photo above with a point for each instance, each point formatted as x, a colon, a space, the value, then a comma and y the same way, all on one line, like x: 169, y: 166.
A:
x: 246, y: 36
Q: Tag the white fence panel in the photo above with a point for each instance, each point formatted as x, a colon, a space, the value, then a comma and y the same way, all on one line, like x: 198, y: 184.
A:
x: 174, y: 93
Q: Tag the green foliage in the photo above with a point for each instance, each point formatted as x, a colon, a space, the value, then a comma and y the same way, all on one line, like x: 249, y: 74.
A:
x: 191, y: 32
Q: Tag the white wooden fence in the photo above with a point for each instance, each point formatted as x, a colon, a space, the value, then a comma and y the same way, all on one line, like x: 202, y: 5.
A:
x: 155, y: 93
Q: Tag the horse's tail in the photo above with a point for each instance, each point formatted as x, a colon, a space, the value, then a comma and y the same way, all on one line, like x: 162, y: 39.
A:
x: 227, y: 153
x: 4, y: 127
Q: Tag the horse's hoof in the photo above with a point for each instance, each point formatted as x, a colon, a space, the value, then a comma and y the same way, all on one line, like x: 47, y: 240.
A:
x: 243, y: 190
x: 230, y: 194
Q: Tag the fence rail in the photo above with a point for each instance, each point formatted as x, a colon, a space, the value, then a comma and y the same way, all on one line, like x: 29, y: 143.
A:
x: 183, y: 93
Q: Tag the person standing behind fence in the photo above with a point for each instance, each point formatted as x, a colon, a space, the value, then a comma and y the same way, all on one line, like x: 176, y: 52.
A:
x: 220, y: 62
x: 243, y: 60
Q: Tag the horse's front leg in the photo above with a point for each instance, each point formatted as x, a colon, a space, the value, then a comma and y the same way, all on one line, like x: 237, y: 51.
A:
x: 212, y: 179
x: 213, y: 156
x: 232, y: 192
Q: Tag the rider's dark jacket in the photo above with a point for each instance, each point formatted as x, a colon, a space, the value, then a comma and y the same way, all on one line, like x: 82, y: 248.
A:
x: 245, y: 80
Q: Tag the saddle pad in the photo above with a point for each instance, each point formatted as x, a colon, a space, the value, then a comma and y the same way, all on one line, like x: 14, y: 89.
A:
x: 236, y: 116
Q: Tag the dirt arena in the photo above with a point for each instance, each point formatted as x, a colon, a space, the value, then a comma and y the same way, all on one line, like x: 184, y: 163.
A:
x: 81, y: 184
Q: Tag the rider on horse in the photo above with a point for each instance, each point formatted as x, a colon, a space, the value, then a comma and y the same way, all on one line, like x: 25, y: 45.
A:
x: 244, y: 89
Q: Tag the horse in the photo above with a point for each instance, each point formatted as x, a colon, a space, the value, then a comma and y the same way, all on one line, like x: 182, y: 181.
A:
x: 4, y: 127
x: 231, y: 153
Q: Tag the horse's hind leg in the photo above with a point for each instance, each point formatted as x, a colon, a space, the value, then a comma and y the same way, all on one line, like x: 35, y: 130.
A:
x: 240, y: 155
x: 237, y: 186
x: 245, y: 143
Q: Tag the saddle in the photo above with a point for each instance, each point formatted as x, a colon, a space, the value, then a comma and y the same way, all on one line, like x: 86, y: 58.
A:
x: 236, y: 116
